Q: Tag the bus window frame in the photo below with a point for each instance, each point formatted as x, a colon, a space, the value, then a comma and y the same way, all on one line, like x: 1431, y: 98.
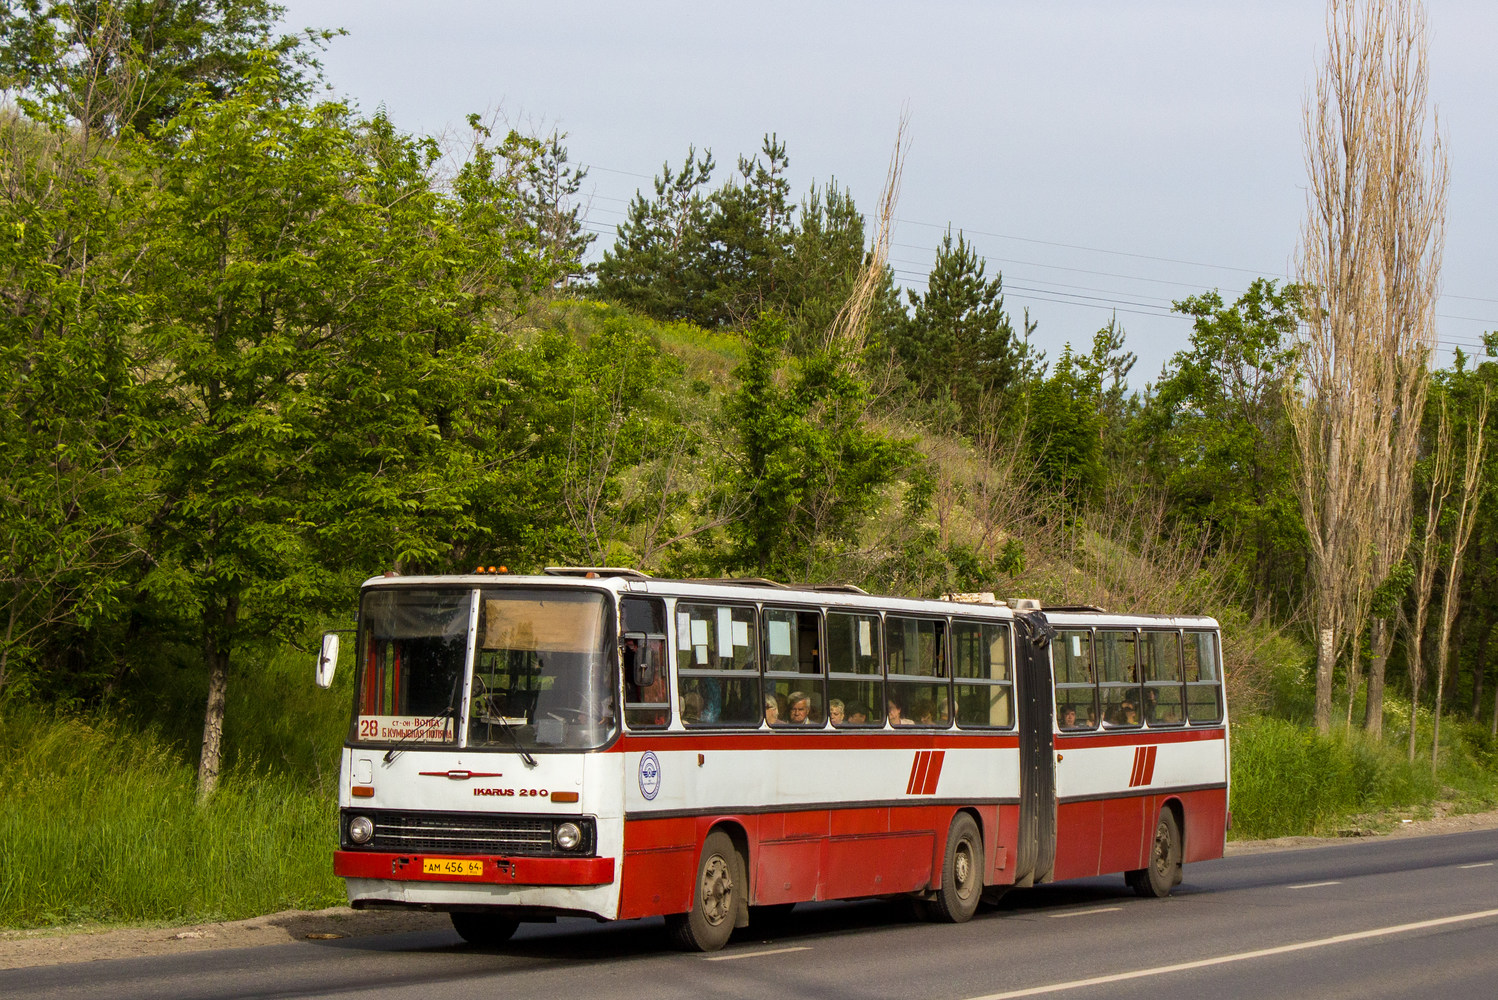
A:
x: 1007, y: 684
x: 897, y: 682
x: 1216, y: 683
x: 1094, y: 716
x: 874, y: 678
x: 753, y: 672
x: 817, y: 688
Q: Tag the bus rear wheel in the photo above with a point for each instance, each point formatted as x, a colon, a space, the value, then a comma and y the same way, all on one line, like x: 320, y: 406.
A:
x: 1164, y: 871
x: 486, y: 930
x: 717, y: 898
x: 961, y: 888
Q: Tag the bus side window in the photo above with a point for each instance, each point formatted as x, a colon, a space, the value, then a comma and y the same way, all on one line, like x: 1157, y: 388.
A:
x: 981, y: 673
x: 916, y: 691
x: 793, y: 667
x: 1118, y: 676
x: 642, y: 647
x: 1160, y: 653
x: 717, y: 665
x: 1203, y: 691
x: 1076, y: 692
x: 855, y: 692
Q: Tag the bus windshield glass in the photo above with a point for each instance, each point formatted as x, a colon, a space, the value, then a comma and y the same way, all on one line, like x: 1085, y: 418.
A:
x: 542, y: 678
x: 413, y: 648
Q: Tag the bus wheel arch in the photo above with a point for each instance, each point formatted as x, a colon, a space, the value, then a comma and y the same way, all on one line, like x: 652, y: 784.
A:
x: 960, y: 888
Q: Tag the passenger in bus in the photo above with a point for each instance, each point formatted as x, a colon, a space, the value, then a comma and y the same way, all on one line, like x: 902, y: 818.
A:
x: 798, y: 708
x: 896, y: 713
x: 772, y: 710
x: 835, y: 711
x: 924, y: 712
x: 1126, y: 715
x: 691, y: 707
x: 1069, y: 717
x: 858, y: 715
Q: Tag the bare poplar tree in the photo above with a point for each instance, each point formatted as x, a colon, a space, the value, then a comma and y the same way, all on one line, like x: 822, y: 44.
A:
x: 1427, y: 561
x: 1461, y: 534
x: 1369, y: 261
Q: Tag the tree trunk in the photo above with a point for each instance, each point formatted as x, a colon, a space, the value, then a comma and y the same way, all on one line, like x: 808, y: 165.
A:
x: 218, y: 632
x: 1373, y: 715
x: 1326, y: 659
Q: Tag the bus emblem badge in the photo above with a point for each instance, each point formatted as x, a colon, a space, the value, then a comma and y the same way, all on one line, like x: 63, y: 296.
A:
x: 650, y: 775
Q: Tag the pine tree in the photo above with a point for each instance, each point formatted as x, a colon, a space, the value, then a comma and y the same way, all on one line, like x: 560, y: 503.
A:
x: 959, y: 344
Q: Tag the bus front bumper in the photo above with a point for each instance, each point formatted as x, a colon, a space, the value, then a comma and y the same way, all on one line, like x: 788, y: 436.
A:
x: 472, y: 869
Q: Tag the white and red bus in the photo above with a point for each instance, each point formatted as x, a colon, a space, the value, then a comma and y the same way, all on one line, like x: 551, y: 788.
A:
x: 600, y: 743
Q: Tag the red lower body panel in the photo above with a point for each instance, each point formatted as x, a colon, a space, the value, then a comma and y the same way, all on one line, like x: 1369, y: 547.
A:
x: 801, y: 856
x: 1103, y: 836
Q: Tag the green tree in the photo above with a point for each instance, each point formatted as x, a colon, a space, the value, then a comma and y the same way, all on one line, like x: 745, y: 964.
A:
x: 959, y: 344
x: 749, y: 236
x: 548, y: 190
x: 1215, y: 431
x: 656, y: 264
x: 72, y: 482
x: 809, y: 468
x: 311, y: 302
x: 108, y: 64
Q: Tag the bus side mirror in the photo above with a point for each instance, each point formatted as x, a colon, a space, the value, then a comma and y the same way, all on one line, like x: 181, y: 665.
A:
x: 639, y: 655
x: 327, y: 660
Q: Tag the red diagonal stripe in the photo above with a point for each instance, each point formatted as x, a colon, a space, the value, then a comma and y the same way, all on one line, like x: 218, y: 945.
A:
x: 1138, y: 766
x: 917, y: 772
x: 933, y: 772
x: 1149, y: 765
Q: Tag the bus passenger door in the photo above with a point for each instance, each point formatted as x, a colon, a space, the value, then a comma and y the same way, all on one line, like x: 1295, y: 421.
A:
x: 1036, y: 850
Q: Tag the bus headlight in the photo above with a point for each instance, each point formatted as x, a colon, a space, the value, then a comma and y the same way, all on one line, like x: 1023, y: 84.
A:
x: 360, y: 829
x: 568, y: 836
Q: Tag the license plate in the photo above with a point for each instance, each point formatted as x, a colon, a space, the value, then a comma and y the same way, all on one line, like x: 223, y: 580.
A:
x: 465, y: 867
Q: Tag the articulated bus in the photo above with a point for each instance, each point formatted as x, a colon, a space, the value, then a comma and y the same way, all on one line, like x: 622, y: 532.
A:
x: 597, y: 742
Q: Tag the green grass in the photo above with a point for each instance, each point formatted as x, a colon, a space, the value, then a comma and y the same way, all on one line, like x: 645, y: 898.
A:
x: 100, y: 824
x: 1290, y: 780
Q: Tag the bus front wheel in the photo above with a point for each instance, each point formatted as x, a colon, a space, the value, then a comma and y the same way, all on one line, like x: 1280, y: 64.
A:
x: 717, y: 897
x: 1164, y: 871
x: 961, y: 874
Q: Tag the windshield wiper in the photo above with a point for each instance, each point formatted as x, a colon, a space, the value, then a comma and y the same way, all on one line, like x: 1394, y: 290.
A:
x: 450, y: 712
x: 447, y: 713
x: 505, y: 726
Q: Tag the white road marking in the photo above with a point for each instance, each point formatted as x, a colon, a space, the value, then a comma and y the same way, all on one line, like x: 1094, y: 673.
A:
x: 754, y: 954
x: 1480, y: 864
x: 1083, y: 913
x: 1311, y: 885
x: 1241, y: 956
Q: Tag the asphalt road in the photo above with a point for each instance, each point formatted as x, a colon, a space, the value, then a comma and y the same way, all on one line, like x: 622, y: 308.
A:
x: 1402, y: 918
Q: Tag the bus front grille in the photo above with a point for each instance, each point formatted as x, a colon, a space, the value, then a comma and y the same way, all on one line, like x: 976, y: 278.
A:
x: 464, y: 833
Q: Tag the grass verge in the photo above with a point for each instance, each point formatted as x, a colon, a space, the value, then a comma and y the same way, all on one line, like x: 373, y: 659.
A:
x: 101, y: 825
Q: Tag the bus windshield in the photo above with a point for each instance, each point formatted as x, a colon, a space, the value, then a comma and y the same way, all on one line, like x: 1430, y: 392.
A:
x: 413, y: 650
x: 540, y: 677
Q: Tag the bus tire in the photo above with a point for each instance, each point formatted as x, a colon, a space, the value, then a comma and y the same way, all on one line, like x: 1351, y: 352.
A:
x: 484, y: 930
x: 956, y: 900
x: 717, y: 896
x: 1164, y: 871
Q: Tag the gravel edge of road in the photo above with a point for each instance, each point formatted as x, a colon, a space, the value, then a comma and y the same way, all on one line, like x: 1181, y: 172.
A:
x: 69, y: 944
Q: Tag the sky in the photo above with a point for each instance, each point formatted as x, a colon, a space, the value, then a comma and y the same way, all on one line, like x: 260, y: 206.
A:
x: 1107, y: 158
